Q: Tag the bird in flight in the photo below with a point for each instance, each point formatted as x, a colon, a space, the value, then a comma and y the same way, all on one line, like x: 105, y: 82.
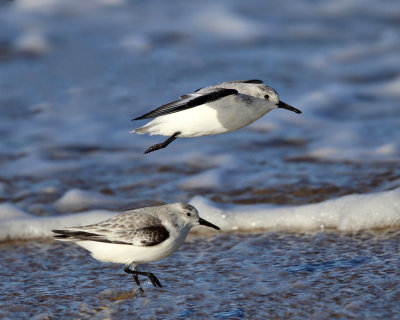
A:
x: 225, y: 107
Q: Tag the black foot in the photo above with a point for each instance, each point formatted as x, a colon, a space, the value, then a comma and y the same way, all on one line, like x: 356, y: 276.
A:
x: 136, y: 278
x: 162, y: 144
x: 150, y: 275
x: 153, y: 279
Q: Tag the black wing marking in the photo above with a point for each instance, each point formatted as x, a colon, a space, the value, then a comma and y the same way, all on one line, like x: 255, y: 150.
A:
x: 199, y: 89
x: 186, y: 96
x: 188, y: 101
x: 255, y: 81
x: 83, y: 235
x: 150, y: 236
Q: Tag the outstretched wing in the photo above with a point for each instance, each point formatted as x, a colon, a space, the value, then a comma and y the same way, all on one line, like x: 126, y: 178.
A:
x: 223, y: 84
x: 188, y: 101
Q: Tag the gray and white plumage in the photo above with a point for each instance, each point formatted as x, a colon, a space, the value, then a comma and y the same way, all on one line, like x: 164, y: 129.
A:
x: 137, y: 236
x: 225, y: 107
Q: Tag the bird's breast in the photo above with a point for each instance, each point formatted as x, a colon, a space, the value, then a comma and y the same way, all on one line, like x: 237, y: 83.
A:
x: 224, y: 115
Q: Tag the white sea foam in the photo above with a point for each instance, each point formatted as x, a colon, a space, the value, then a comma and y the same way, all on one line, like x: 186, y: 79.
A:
x: 77, y: 200
x: 349, y: 213
x: 221, y: 21
x: 15, y: 224
x: 33, y: 42
x: 206, y: 179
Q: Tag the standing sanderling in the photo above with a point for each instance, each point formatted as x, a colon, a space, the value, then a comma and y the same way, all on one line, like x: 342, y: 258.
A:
x: 137, y: 236
x: 222, y: 108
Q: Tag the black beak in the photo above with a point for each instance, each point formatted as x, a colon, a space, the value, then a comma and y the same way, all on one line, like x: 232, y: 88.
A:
x: 283, y: 105
x: 208, y: 224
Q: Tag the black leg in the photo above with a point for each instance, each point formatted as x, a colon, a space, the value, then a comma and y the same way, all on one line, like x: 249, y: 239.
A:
x: 163, y: 144
x: 150, y: 275
x: 136, y: 278
x: 152, y: 278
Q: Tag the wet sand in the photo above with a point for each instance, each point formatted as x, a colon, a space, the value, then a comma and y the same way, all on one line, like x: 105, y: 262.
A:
x: 325, y: 275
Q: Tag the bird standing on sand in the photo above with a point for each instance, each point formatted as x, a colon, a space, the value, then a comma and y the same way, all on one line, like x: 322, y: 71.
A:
x: 222, y: 108
x: 137, y: 236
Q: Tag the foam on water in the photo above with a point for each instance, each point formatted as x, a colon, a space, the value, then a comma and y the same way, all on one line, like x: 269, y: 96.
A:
x: 78, y: 200
x: 207, y: 179
x: 19, y: 225
x: 349, y: 213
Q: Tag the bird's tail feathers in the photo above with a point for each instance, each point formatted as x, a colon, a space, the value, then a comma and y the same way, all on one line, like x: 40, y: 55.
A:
x: 145, y: 129
x: 69, y: 235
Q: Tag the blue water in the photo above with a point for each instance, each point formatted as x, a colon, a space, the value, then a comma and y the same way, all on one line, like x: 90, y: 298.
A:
x: 73, y: 74
x: 232, y: 276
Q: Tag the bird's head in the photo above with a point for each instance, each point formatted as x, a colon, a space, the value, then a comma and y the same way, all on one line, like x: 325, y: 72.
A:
x: 190, y: 216
x: 272, y: 97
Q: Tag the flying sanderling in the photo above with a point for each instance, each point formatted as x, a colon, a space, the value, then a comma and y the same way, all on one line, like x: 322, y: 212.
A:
x: 137, y: 236
x: 222, y: 108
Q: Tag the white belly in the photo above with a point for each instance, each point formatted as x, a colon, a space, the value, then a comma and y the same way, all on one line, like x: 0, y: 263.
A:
x: 221, y: 116
x: 127, y: 254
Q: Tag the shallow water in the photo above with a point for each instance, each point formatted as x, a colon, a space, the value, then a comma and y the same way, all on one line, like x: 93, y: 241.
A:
x: 326, y: 275
x: 72, y: 77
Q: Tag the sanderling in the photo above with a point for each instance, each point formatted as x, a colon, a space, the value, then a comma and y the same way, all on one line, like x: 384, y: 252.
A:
x: 137, y: 236
x: 222, y: 108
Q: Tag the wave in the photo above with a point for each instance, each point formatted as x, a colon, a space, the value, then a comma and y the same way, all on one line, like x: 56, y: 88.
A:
x: 349, y: 213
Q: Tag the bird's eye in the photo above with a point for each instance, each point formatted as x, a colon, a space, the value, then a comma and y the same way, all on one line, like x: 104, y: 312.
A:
x: 266, y: 96
x: 188, y: 214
